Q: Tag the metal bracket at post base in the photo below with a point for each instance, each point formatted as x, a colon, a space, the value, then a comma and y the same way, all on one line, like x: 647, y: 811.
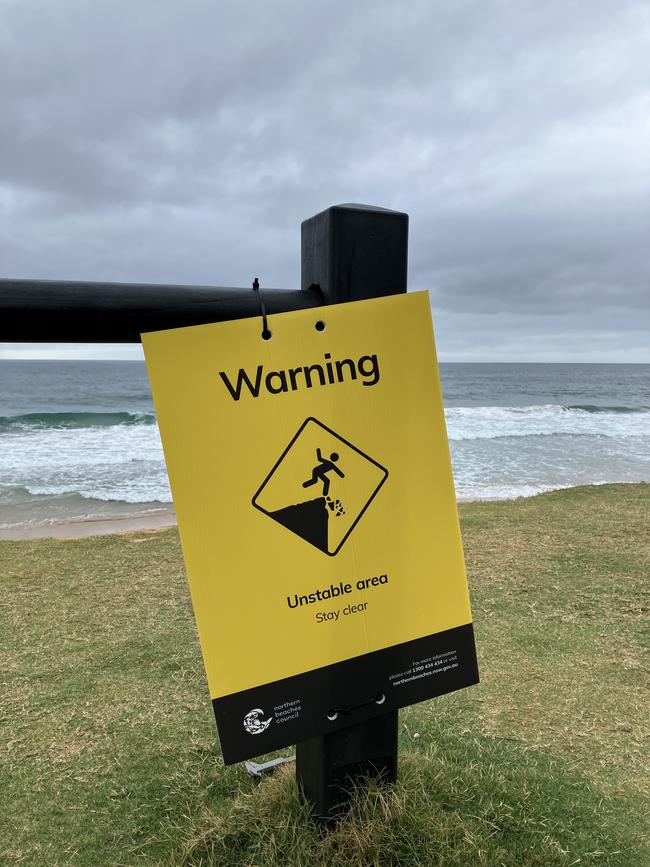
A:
x: 331, y: 766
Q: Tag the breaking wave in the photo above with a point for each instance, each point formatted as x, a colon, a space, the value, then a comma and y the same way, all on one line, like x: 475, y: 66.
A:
x: 490, y: 422
x: 98, y: 462
x: 58, y: 420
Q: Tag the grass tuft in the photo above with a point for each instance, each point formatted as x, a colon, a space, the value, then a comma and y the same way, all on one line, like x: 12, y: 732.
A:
x: 466, y: 804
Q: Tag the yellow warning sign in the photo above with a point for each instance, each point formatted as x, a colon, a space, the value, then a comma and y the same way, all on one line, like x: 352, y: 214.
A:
x: 312, y: 484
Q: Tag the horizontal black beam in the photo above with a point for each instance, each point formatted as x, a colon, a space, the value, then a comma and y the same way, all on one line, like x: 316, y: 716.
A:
x: 64, y: 311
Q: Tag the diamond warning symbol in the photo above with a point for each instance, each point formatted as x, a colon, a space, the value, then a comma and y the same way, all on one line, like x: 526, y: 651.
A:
x: 320, y: 486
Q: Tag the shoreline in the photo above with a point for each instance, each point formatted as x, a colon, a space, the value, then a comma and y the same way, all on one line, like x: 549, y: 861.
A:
x: 162, y: 519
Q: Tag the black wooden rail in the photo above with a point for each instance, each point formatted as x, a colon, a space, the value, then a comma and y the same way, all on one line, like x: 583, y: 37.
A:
x: 349, y: 252
x: 61, y: 311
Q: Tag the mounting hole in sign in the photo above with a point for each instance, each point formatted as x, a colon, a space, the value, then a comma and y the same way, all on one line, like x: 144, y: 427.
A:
x: 381, y: 698
x: 320, y: 325
x: 332, y: 715
x: 266, y: 334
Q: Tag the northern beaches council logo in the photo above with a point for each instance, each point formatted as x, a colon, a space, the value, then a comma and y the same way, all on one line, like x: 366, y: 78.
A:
x: 320, y: 486
x: 253, y: 722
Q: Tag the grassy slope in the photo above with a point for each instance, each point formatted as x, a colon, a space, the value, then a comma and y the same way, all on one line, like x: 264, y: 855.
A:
x: 107, y: 745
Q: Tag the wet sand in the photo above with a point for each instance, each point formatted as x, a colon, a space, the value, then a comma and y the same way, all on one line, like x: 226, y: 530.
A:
x: 91, y: 527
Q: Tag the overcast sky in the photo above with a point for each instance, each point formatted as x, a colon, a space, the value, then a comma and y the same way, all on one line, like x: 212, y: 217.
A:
x: 162, y: 141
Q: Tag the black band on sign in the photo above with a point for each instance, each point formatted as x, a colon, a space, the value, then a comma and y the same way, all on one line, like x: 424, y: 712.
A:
x: 266, y: 334
x: 324, y: 694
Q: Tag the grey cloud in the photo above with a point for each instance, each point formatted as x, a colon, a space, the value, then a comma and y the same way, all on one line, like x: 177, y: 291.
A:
x: 169, y: 142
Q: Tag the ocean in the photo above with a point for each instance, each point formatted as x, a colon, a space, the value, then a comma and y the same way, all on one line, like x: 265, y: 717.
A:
x: 78, y: 439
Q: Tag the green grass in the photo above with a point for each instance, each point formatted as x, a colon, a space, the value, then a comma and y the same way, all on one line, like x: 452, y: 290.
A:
x: 108, y: 752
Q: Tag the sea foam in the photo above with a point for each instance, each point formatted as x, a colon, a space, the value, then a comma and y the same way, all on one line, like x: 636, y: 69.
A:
x: 497, y: 451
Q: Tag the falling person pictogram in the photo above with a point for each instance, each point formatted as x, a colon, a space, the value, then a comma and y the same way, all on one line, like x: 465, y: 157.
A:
x: 322, y: 520
x: 322, y: 468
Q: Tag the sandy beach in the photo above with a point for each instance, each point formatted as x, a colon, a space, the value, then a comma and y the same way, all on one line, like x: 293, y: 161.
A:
x: 90, y: 527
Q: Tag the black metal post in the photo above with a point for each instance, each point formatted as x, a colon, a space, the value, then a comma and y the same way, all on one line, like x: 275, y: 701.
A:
x: 352, y: 252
